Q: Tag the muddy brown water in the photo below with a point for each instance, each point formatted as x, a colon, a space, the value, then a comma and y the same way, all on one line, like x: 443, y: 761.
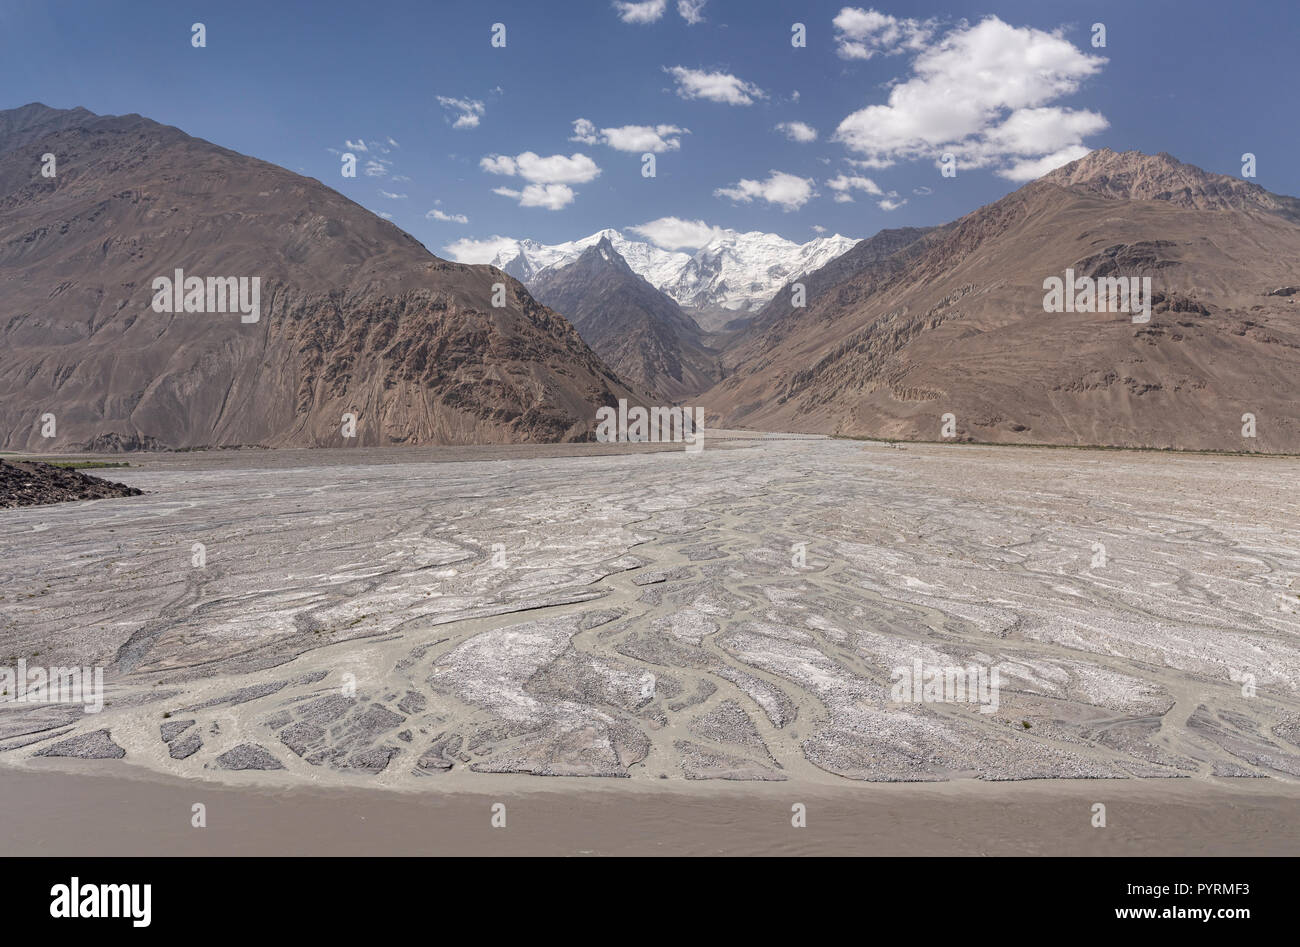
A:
x: 74, y: 811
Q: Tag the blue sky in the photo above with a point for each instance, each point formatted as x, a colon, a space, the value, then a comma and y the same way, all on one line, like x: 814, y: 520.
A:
x: 881, y: 85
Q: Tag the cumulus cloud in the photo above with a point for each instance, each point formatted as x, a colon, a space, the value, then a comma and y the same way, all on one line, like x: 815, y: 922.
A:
x: 673, y: 233
x: 714, y: 86
x: 818, y: 228
x: 1033, y: 168
x: 468, y: 250
x: 797, y: 131
x: 498, y: 164
x: 468, y: 111
x: 585, y: 131
x: 555, y: 169
x: 635, y: 138
x: 550, y: 196
x: 787, y: 191
x: 436, y: 214
x: 375, y: 166
x: 983, y: 93
x: 860, y: 34
x: 646, y: 11
x: 844, y: 185
x: 689, y: 10
x: 890, y: 204
x: 549, y: 178
x: 1030, y: 131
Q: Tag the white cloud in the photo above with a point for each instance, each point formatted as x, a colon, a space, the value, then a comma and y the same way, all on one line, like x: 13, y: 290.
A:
x: 468, y: 250
x: 556, y: 169
x: 673, y: 233
x: 870, y: 163
x: 634, y: 138
x: 585, y: 131
x: 436, y: 214
x: 714, y: 86
x: 818, y: 228
x: 797, y: 131
x: 644, y: 138
x: 469, y: 111
x: 1033, y: 131
x: 651, y: 11
x: 647, y: 11
x: 1031, y: 168
x: 550, y: 196
x: 860, y: 34
x: 393, y: 143
x: 788, y: 191
x: 690, y: 10
x: 499, y: 164
x: 386, y: 215
x: 983, y: 93
x: 357, y: 145
x: 376, y: 168
x: 890, y: 204
x: 391, y: 196
x: 844, y: 185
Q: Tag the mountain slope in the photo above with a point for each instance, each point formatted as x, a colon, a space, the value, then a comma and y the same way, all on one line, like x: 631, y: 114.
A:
x: 356, y: 316
x: 955, y: 323
x: 639, y: 332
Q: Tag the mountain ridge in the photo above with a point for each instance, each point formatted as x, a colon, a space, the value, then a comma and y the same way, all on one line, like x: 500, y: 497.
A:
x: 736, y: 271
x: 955, y: 323
x: 639, y: 331
x: 358, y: 318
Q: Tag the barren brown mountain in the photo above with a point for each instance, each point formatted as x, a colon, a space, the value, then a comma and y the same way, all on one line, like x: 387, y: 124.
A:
x: 356, y: 316
x: 954, y: 322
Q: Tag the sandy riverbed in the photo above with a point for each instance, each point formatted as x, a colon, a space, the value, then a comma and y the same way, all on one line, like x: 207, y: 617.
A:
x: 294, y: 620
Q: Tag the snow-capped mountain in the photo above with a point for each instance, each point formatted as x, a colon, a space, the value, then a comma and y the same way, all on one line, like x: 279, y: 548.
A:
x: 735, y: 270
x: 527, y: 258
x: 639, y: 331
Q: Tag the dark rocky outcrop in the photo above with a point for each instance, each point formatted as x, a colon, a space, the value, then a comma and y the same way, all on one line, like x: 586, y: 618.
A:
x: 33, y: 482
